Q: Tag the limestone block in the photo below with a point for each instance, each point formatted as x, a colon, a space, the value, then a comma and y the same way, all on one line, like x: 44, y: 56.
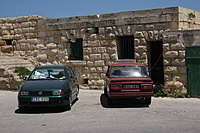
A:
x: 18, y: 36
x: 33, y: 47
x: 23, y: 46
x: 86, y: 57
x: 166, y: 46
x: 54, y: 52
x: 113, y: 56
x: 94, y: 50
x: 18, y: 31
x: 87, y: 50
x: 90, y: 63
x: 178, y: 61
x: 40, y: 46
x: 8, y: 37
x: 101, y: 49
x: 42, y: 57
x: 32, y: 41
x: 95, y: 76
x: 105, y: 56
x: 138, y: 34
x: 5, y: 32
x: 144, y: 56
x: 141, y: 48
x: 171, y: 69
x: 181, y: 53
x: 177, y: 46
x: 104, y: 42
x: 2, y: 43
x: 112, y: 43
x: 42, y: 34
x: 143, y: 41
x: 101, y: 30
x: 64, y: 40
x: 93, y: 69
x: 25, y: 30
x: 95, y: 56
x: 93, y: 37
x: 99, y: 69
x: 151, y: 35
x: 99, y: 63
x: 86, y: 69
x: 51, y: 46
x: 7, y: 48
x: 170, y: 54
x: 137, y: 56
x: 100, y: 82
x: 111, y: 49
x: 137, y: 41
x: 167, y: 62
x: 112, y: 36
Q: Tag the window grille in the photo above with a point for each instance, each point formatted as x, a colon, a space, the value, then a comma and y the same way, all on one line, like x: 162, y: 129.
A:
x: 125, y: 47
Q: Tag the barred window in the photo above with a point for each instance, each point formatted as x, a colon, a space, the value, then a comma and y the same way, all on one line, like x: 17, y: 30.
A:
x: 76, y: 50
x: 125, y: 47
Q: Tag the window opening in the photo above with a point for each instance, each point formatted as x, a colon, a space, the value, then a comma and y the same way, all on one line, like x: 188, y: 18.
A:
x: 8, y: 41
x: 77, y: 50
x: 125, y: 47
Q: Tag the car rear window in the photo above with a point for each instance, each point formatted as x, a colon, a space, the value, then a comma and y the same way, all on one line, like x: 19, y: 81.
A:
x: 128, y: 71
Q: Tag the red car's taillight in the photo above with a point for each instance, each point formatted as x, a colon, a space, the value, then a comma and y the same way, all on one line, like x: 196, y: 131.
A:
x: 146, y: 86
x: 116, y: 87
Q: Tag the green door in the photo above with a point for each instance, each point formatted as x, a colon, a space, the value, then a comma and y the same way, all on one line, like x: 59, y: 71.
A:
x: 193, y: 67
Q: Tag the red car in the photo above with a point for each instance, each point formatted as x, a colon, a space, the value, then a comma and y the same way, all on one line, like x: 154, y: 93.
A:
x: 128, y: 80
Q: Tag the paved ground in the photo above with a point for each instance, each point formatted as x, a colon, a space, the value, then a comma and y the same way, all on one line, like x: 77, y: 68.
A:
x: 92, y: 114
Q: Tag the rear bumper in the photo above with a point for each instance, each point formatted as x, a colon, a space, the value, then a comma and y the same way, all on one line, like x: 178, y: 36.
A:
x: 54, y: 101
x: 129, y: 94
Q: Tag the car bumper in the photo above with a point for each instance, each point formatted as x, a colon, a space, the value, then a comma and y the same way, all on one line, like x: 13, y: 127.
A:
x: 54, y: 101
x: 130, y: 94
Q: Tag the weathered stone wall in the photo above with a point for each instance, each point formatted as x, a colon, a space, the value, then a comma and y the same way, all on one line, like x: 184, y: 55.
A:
x: 174, y: 59
x: 47, y: 41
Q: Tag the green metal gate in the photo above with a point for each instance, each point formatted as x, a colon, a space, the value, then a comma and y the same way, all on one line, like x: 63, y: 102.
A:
x: 193, y: 67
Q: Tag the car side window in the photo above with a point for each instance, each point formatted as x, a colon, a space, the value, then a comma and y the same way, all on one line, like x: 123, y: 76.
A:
x: 70, y: 72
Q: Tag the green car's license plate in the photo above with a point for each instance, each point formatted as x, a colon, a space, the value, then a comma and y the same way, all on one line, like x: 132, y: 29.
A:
x: 39, y: 99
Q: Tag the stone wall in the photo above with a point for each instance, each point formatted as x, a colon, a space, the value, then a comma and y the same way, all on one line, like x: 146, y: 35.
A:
x: 47, y: 41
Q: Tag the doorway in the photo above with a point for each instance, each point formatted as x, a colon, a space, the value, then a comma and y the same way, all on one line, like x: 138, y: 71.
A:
x: 156, y: 62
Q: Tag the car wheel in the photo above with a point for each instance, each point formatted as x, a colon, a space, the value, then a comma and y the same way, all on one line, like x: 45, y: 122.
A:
x: 110, y: 101
x: 68, y: 107
x: 148, y: 100
x: 77, y: 95
x: 23, y: 108
x: 105, y: 91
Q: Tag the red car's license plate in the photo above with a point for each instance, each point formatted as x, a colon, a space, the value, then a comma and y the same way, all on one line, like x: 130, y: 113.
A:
x: 131, y: 86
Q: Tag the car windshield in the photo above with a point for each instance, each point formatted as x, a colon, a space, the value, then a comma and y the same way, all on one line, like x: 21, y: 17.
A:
x: 128, y: 71
x: 52, y: 73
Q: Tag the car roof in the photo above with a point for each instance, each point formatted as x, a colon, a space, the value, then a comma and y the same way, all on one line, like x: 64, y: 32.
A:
x: 51, y: 66
x: 127, y: 64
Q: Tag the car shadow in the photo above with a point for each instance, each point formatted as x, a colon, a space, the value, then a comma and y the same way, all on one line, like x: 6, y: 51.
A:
x: 122, y: 103
x: 40, y: 110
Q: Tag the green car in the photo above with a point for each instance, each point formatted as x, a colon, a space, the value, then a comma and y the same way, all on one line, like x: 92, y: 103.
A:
x: 49, y: 86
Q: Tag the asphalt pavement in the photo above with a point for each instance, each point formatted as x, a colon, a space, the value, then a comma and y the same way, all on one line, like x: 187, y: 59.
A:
x: 91, y: 114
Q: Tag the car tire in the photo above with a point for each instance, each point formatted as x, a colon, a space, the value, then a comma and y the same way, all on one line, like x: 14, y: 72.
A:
x: 148, y: 100
x: 110, y: 101
x: 23, y: 108
x: 68, y: 107
x: 105, y: 91
x: 77, y: 95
